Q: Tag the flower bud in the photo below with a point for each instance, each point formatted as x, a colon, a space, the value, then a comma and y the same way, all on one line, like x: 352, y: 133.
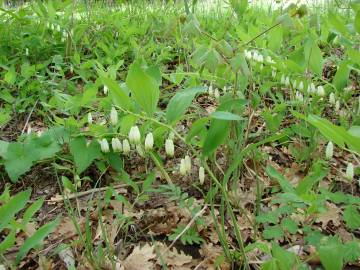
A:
x: 182, y: 167
x: 294, y: 84
x: 273, y: 73
x: 169, y: 147
x: 332, y: 99
x: 260, y: 58
x: 216, y: 93
x: 104, y: 145
x: 301, y: 86
x: 320, y: 91
x: 116, y: 145
x: 149, y: 142
x: 126, y: 146
x: 113, y: 116
x: 211, y: 90
x: 248, y: 54
x: 201, y: 175
x: 329, y: 150
x: 171, y: 135
x: 29, y: 129
x: 337, y: 105
x: 282, y: 79
x: 287, y: 81
x: 187, y: 163
x: 27, y: 52
x: 89, y: 118
x: 134, y: 135
x: 312, y: 88
x: 299, y: 96
x: 349, y: 172
x: 105, y: 90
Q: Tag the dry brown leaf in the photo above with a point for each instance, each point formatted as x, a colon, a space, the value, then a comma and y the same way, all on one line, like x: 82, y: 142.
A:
x: 140, y: 258
x: 333, y: 214
x: 172, y: 257
x: 210, y: 254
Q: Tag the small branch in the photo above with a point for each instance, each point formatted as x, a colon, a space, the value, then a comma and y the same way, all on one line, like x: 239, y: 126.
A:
x: 28, y: 118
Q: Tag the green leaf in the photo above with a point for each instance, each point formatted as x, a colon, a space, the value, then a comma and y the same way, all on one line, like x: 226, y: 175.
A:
x: 36, y: 239
x: 14, y: 205
x: 311, y: 179
x: 313, y: 56
x: 8, y: 242
x: 228, y: 116
x: 117, y: 93
x: 283, y: 182
x: 180, y: 102
x: 3, y: 148
x: 143, y: 87
x: 357, y: 22
x: 32, y: 209
x: 352, y: 217
x: 275, y: 38
x: 196, y: 128
x: 217, y: 134
x: 337, y: 23
x: 115, y: 161
x: 84, y: 155
x: 286, y: 260
x: 331, y: 255
x: 19, y: 158
x: 270, y: 265
x: 46, y: 146
x: 148, y: 182
x: 273, y: 232
x: 342, y: 76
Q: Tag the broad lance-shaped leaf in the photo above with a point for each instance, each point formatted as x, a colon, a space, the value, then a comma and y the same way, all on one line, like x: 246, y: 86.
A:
x: 217, y: 134
x: 221, y: 115
x: 118, y: 95
x: 313, y: 56
x: 36, y: 238
x: 84, y: 155
x: 144, y: 88
x: 14, y: 205
x: 180, y: 102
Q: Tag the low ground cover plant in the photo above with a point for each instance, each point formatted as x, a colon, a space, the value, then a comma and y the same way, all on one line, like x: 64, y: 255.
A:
x: 179, y: 135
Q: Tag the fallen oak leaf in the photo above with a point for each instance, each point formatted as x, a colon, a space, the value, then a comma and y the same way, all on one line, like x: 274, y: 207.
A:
x: 140, y: 258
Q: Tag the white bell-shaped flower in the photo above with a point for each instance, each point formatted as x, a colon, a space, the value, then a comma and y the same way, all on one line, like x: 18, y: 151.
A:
x: 169, y: 147
x: 332, y: 98
x: 282, y: 80
x: 116, y: 145
x: 113, y: 116
x: 216, y: 93
x: 105, y: 90
x: 349, y: 172
x: 89, y: 118
x: 329, y: 152
x: 301, y: 86
x: 134, y: 135
x: 104, y: 145
x: 320, y: 91
x: 183, y: 167
x: 126, y: 146
x: 149, y: 141
x: 201, y: 175
x: 211, y: 90
x: 188, y: 163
